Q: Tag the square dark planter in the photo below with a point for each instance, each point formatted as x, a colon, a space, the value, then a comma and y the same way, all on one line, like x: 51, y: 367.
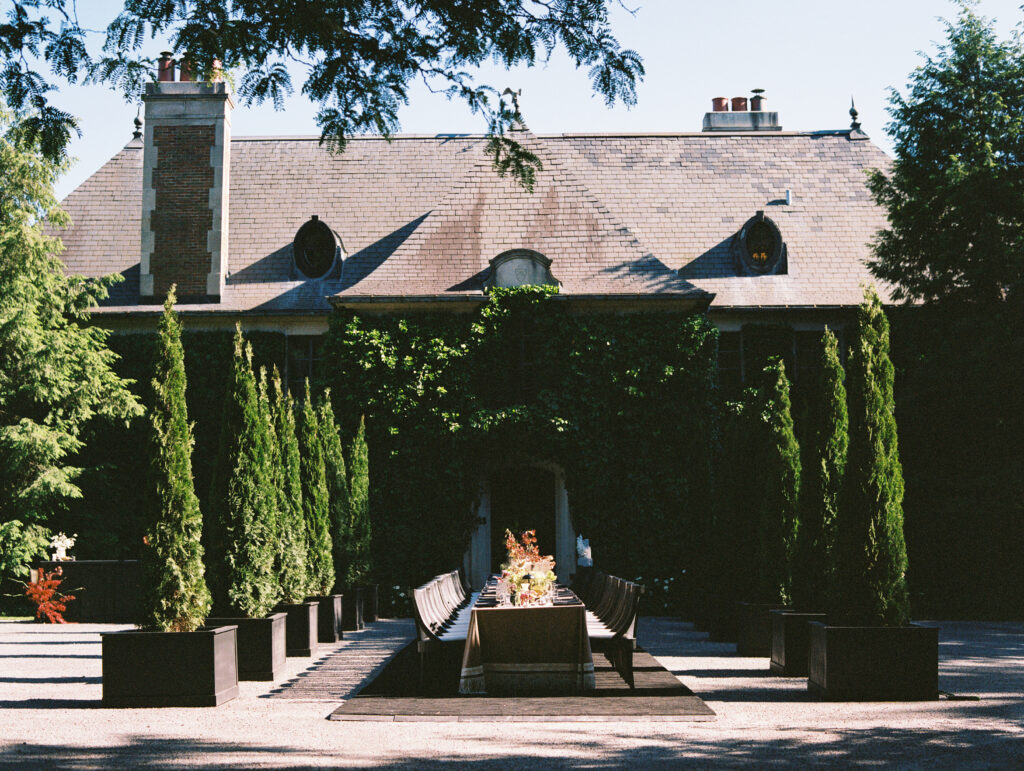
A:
x: 301, y: 637
x: 170, y: 669
x: 791, y: 639
x: 721, y: 619
x: 754, y: 628
x: 873, y: 663
x: 329, y: 615
x: 369, y: 603
x: 261, y: 645
x: 352, y: 617
x: 700, y: 610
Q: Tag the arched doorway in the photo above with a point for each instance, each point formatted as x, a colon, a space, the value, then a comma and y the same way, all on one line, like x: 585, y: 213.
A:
x: 519, y: 497
x: 522, y: 498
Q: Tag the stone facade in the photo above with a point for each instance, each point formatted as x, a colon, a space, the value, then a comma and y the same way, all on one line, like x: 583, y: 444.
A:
x: 184, y: 228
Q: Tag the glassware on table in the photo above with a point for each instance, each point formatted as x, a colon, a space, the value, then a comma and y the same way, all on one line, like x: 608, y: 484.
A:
x: 503, y: 590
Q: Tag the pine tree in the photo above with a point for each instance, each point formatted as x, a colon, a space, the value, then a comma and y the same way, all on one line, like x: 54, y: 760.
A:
x: 360, y: 534
x: 821, y: 483
x: 315, y: 499
x: 958, y: 142
x: 779, y: 469
x: 337, y: 487
x: 175, y: 596
x: 245, y: 506
x: 293, y: 547
x: 871, y: 556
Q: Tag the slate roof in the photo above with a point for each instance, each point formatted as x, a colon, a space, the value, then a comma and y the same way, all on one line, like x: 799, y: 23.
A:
x: 639, y: 215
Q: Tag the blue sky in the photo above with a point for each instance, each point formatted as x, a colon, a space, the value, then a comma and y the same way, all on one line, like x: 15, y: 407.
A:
x: 810, y: 56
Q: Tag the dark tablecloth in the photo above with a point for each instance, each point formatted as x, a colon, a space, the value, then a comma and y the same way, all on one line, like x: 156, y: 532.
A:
x: 530, y: 650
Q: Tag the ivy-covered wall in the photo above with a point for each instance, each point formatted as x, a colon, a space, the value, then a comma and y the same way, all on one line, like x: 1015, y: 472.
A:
x: 960, y: 410
x: 107, y: 517
x: 623, y: 402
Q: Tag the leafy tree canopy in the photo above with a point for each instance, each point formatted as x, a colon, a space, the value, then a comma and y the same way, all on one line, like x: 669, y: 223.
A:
x: 360, y: 58
x: 955, y: 194
x: 55, y: 372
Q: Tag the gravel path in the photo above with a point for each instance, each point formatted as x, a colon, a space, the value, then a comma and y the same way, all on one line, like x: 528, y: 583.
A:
x: 50, y: 716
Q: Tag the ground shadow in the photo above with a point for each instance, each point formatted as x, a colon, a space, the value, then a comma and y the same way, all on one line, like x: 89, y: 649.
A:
x: 83, y: 679
x: 547, y: 748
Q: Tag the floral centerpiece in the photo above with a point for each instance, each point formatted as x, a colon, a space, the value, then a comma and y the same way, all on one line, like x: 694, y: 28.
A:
x: 526, y: 576
x: 61, y: 543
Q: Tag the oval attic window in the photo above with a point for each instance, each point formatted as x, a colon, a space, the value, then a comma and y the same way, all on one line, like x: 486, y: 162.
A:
x: 315, y: 248
x: 759, y: 248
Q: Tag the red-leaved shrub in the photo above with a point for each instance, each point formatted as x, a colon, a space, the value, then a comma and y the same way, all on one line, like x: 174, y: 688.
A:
x: 44, y: 592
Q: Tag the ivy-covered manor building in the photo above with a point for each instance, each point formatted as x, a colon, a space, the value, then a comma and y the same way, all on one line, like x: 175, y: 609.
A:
x: 753, y: 227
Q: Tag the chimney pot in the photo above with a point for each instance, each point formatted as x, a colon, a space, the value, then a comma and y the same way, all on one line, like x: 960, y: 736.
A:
x: 739, y: 104
x: 165, y: 67
x: 720, y: 104
x: 757, y: 103
x: 184, y: 70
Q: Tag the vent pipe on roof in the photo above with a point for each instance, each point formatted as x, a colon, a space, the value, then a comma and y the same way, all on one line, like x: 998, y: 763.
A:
x: 165, y: 67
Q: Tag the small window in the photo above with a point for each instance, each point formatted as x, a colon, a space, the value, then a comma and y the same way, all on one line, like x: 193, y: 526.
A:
x: 758, y: 248
x: 315, y: 248
x: 730, y: 363
x: 303, y: 361
x: 520, y: 267
x: 808, y: 356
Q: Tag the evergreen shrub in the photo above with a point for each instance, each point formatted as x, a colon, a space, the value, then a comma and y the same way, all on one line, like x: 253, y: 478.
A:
x: 315, y: 503
x: 778, y: 468
x: 175, y: 596
x: 824, y: 461
x: 242, y: 505
x: 293, y: 542
x: 337, y: 490
x: 360, y: 531
x: 871, y: 556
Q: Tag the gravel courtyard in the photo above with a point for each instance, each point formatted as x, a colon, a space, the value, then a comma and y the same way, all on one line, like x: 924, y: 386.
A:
x: 50, y: 715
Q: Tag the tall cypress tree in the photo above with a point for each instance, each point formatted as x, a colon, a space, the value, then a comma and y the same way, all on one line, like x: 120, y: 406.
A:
x: 871, y: 555
x: 779, y: 469
x: 245, y: 506
x: 293, y: 547
x: 824, y: 463
x: 176, y: 598
x: 315, y: 499
x: 360, y: 531
x: 337, y: 487
x: 273, y: 477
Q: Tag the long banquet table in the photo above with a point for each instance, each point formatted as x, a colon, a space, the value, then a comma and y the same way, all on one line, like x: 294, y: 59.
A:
x: 535, y: 650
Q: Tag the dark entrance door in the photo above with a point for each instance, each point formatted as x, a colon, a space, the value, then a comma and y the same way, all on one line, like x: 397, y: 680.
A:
x: 522, y: 498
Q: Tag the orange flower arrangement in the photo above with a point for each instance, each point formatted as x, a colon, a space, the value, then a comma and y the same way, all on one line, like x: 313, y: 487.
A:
x: 526, y: 575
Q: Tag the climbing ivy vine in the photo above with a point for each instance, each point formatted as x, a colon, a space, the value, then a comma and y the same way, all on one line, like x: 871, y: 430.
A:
x: 623, y: 402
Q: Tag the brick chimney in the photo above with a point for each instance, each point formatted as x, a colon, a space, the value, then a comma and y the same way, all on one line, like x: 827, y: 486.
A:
x: 741, y: 119
x: 187, y: 147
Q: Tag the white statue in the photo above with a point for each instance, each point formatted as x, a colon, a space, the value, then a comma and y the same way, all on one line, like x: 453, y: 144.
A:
x: 583, y: 557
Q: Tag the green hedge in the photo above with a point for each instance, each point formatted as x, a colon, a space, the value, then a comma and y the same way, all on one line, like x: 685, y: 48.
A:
x: 108, y: 516
x: 960, y: 409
